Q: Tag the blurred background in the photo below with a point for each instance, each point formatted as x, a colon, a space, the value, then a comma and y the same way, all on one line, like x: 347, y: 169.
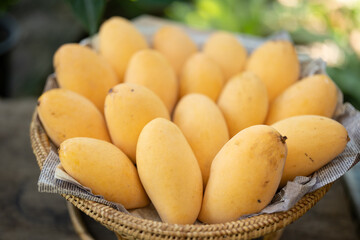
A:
x: 32, y: 30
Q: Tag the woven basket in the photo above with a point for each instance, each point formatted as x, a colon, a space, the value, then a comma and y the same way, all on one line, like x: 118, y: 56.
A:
x: 131, y: 227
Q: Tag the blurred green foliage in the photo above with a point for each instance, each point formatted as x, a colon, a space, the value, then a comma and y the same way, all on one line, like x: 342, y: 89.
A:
x: 230, y: 15
x: 134, y: 8
x: 308, y: 22
x: 347, y: 78
x: 89, y: 12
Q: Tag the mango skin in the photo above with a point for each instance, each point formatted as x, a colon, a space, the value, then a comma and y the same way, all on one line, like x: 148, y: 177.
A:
x: 244, y: 102
x: 80, y: 69
x: 276, y: 64
x: 244, y: 175
x: 200, y: 74
x: 128, y: 108
x: 312, y: 142
x: 314, y: 95
x: 150, y: 69
x: 169, y: 172
x: 227, y: 52
x: 204, y: 127
x: 105, y: 169
x: 118, y: 41
x: 175, y: 45
x: 66, y: 114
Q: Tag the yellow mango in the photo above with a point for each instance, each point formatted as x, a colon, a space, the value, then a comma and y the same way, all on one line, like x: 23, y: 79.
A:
x: 66, y: 114
x: 312, y: 142
x: 244, y: 175
x: 128, y: 108
x: 169, y: 172
x: 204, y: 127
x: 244, y: 102
x: 227, y: 52
x: 80, y: 69
x: 200, y: 74
x: 175, y: 45
x: 314, y: 95
x: 276, y: 64
x: 150, y: 69
x: 105, y: 169
x: 118, y: 41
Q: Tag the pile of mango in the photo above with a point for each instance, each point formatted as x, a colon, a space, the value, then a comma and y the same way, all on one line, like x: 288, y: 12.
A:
x: 208, y: 134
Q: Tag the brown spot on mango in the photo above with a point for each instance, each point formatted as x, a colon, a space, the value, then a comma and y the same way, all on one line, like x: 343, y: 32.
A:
x: 66, y: 114
x: 237, y: 169
x: 313, y: 142
x: 80, y: 69
x: 128, y: 109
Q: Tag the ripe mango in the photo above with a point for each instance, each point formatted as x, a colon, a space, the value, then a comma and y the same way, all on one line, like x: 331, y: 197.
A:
x: 200, y: 74
x: 312, y: 142
x: 204, y: 127
x: 66, y: 114
x: 80, y: 69
x: 105, y: 169
x: 276, y: 64
x: 227, y: 52
x: 128, y: 108
x: 244, y: 102
x: 150, y: 69
x: 175, y: 45
x: 118, y: 41
x: 169, y: 172
x: 314, y: 95
x: 244, y: 175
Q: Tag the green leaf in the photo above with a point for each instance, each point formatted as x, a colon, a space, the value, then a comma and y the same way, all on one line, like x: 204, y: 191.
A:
x: 303, y: 36
x: 89, y: 12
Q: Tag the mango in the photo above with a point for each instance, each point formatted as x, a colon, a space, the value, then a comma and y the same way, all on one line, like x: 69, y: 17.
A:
x: 314, y: 95
x: 227, y: 52
x: 105, y: 169
x: 200, y: 74
x: 204, y: 127
x: 150, y: 69
x: 80, y: 69
x: 175, y: 45
x: 312, y: 142
x: 128, y: 108
x: 244, y: 175
x: 276, y: 64
x: 244, y: 102
x: 66, y: 114
x: 169, y: 172
x: 118, y: 41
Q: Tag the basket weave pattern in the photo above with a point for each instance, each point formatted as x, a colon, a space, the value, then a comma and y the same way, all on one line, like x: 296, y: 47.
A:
x: 131, y: 227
